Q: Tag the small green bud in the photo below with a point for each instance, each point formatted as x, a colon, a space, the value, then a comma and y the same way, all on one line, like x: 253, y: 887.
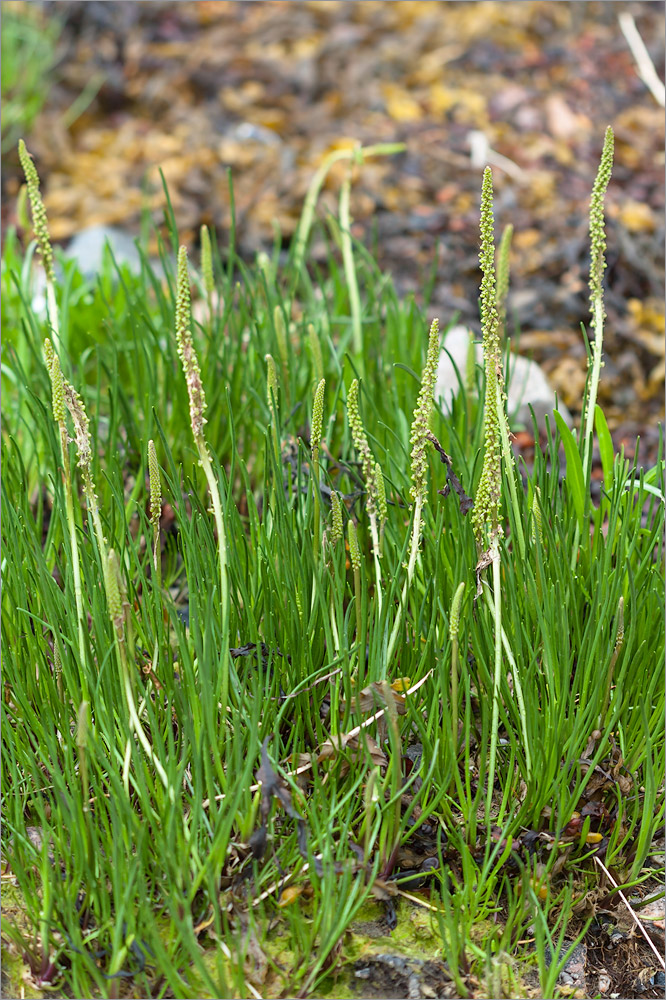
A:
x: 82, y: 725
x: 337, y: 530
x: 537, y: 525
x: 207, y: 261
x: 317, y: 418
x: 57, y: 382
x: 155, y: 485
x: 354, y: 551
x: 113, y: 589
x: 454, y: 620
x: 380, y: 492
x: 271, y: 385
x: 619, y: 631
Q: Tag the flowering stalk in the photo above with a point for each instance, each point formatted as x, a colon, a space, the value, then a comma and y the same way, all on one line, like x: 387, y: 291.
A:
x: 597, y: 268
x: 197, y: 398
x: 334, y: 535
x: 485, y: 514
x: 486, y: 501
x: 315, y: 438
x: 41, y: 230
x: 419, y: 488
x: 272, y: 398
x: 369, y: 467
x: 355, y: 559
x: 58, y: 402
x: 115, y: 600
x: 454, y: 625
x: 77, y: 412
x: 155, y: 509
x: 350, y: 267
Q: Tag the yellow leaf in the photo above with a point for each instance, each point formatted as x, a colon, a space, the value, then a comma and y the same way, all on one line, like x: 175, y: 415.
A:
x: 637, y: 217
x: 401, y: 684
x: 400, y: 105
x: 289, y: 895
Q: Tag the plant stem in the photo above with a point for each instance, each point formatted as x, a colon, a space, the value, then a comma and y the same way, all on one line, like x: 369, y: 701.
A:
x: 350, y: 269
x: 413, y: 554
x: 214, y: 490
x: 497, y: 596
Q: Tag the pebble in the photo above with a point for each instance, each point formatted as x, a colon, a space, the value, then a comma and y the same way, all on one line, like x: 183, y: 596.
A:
x: 528, y: 385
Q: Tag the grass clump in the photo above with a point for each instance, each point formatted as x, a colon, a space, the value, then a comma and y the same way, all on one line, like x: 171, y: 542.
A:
x: 224, y: 731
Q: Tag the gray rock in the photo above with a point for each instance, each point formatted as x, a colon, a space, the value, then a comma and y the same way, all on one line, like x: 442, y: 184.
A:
x: 527, y: 386
x: 87, y: 249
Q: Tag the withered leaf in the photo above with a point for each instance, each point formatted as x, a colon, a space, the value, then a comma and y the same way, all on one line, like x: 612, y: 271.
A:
x: 376, y: 694
x: 452, y: 481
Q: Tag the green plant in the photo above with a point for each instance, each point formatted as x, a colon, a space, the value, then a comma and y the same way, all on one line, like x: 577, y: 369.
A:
x: 208, y: 714
x: 29, y: 40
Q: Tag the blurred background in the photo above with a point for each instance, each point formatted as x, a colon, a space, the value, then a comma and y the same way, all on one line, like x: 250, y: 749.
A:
x: 106, y: 93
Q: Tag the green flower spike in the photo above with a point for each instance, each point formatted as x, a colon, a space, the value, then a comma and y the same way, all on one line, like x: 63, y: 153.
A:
x: 354, y: 551
x: 597, y: 268
x: 271, y: 384
x: 362, y: 447
x: 421, y: 422
x: 207, y: 261
x: 454, y: 625
x: 155, y: 505
x: 57, y: 382
x: 454, y: 619
x: 39, y: 219
x: 380, y: 490
x: 374, y: 494
x: 186, y: 351
x: 317, y: 419
x: 597, y: 231
x: 486, y: 501
x: 155, y: 485
x: 336, y: 519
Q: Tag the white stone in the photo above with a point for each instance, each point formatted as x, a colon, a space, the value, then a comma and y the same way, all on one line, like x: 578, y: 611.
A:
x: 527, y: 386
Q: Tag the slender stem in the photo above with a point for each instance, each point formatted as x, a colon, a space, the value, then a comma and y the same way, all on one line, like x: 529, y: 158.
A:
x: 509, y: 471
x: 376, y: 556
x: 214, y: 490
x: 76, y: 566
x: 518, y: 686
x: 350, y: 269
x: 53, y: 314
x: 136, y: 722
x: 317, y: 504
x: 413, y: 554
x: 494, y: 551
x: 454, y: 693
